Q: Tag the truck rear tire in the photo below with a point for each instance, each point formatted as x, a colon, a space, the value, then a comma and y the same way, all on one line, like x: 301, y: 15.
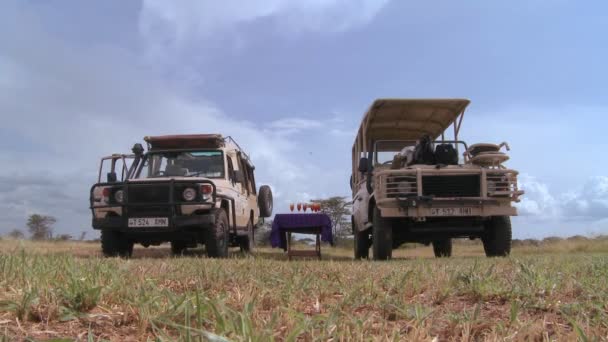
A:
x: 246, y: 242
x: 113, y: 244
x: 265, y: 201
x: 382, y: 237
x: 216, y: 236
x: 442, y: 248
x: 497, y: 236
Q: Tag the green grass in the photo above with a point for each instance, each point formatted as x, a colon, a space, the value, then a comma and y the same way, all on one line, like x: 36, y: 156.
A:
x: 65, y: 290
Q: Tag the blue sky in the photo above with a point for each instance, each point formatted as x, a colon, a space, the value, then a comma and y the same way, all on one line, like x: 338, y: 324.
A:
x: 290, y: 80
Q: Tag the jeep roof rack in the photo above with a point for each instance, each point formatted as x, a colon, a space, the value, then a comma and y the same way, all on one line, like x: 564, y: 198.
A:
x: 184, y: 141
x: 410, y: 119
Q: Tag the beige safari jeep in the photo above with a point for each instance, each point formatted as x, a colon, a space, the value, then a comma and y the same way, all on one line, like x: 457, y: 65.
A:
x: 186, y: 189
x: 410, y: 183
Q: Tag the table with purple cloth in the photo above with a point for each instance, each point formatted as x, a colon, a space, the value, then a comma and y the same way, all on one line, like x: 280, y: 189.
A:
x: 285, y: 224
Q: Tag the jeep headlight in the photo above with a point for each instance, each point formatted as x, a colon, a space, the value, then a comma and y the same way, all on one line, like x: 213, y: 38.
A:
x: 189, y: 194
x: 119, y: 196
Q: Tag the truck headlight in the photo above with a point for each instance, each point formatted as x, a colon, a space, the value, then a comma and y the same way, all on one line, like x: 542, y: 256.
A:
x: 405, y: 188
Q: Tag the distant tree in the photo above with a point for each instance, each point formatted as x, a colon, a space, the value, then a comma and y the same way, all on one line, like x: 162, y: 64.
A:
x: 63, y: 237
x: 16, y: 234
x: 41, y: 226
x: 339, y: 211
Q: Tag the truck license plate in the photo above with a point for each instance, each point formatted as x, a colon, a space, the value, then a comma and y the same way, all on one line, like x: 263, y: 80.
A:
x: 148, y: 222
x: 451, y: 211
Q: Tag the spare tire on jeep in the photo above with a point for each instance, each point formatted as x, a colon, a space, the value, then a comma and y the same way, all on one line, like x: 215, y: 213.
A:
x: 265, y: 201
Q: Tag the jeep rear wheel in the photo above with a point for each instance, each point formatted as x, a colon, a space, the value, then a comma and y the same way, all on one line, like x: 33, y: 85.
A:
x: 113, y: 244
x: 216, y: 236
x: 442, y: 248
x: 382, y: 237
x: 246, y: 242
x: 265, y: 201
x: 497, y: 236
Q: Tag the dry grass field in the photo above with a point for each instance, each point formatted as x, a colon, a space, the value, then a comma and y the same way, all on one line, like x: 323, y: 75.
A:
x: 66, y: 291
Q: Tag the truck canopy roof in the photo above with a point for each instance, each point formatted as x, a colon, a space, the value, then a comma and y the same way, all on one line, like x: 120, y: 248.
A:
x: 410, y: 119
x: 162, y: 142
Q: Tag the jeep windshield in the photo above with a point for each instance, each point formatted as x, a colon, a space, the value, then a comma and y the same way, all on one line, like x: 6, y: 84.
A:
x: 206, y: 163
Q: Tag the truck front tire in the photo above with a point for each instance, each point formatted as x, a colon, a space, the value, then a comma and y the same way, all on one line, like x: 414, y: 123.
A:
x: 382, y: 237
x: 216, y: 236
x: 497, y: 236
x: 362, y: 242
x: 442, y: 248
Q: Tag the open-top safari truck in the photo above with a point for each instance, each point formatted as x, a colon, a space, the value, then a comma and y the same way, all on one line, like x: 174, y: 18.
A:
x: 187, y: 189
x: 409, y: 183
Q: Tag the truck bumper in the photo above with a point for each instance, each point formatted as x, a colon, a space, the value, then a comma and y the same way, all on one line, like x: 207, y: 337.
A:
x: 421, y: 207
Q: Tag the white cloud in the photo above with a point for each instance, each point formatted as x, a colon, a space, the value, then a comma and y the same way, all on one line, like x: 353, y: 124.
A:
x: 76, y: 104
x: 170, y: 24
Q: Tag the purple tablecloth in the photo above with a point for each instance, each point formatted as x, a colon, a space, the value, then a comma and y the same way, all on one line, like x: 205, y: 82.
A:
x: 295, y: 222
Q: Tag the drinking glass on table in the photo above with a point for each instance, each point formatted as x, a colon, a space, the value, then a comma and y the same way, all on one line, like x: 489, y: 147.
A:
x: 291, y: 206
x: 299, y: 206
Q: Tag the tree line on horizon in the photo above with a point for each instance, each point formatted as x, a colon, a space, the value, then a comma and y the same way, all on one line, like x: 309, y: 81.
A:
x: 40, y: 228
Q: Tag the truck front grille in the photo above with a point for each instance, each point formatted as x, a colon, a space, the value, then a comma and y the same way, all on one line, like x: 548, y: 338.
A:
x: 451, y: 186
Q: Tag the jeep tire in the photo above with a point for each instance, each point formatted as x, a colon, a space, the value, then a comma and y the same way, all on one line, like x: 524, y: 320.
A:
x: 442, y: 248
x: 382, y: 236
x: 246, y: 242
x: 265, y: 201
x: 113, y: 244
x: 497, y: 236
x: 216, y: 235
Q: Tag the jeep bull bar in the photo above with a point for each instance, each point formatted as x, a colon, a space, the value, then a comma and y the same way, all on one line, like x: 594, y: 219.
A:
x: 123, y: 200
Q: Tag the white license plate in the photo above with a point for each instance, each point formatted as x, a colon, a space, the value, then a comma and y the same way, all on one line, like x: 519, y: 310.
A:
x: 148, y: 222
x: 451, y: 211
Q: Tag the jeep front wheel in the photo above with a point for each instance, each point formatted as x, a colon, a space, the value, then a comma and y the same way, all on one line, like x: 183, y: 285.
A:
x: 216, y: 236
x: 497, y: 236
x: 442, y: 248
x: 382, y: 236
x: 113, y: 244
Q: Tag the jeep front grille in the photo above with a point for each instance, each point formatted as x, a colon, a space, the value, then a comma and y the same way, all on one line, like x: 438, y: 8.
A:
x: 149, y: 193
x: 451, y: 186
x: 401, y: 186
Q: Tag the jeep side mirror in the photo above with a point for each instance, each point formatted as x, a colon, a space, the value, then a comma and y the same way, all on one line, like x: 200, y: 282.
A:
x: 111, y: 177
x: 239, y: 177
x: 363, y: 165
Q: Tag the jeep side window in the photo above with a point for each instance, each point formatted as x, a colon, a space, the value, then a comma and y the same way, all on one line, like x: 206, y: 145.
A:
x: 230, y: 169
x: 243, y: 167
x: 251, y: 180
